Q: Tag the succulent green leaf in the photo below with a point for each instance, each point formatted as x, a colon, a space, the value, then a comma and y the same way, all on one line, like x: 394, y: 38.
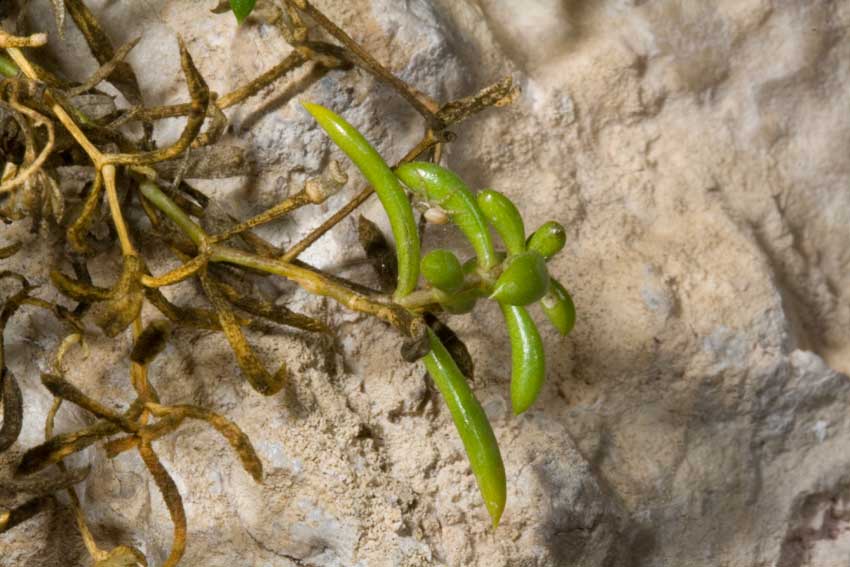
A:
x: 505, y: 218
x: 548, y: 240
x: 559, y: 307
x: 472, y: 425
x: 463, y: 302
x: 442, y: 269
x: 389, y: 190
x: 523, y: 281
x: 528, y: 363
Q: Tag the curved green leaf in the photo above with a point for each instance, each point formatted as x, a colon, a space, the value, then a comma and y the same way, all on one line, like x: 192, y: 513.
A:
x: 474, y: 429
x: 386, y: 185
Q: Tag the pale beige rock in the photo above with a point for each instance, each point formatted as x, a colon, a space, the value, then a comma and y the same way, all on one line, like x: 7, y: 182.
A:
x: 696, y: 153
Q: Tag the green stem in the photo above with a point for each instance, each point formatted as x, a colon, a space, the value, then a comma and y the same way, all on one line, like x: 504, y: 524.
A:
x: 473, y: 281
x: 162, y: 202
x: 419, y: 299
x: 311, y: 280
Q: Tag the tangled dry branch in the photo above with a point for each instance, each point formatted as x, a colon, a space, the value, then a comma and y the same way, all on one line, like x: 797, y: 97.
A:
x: 44, y: 127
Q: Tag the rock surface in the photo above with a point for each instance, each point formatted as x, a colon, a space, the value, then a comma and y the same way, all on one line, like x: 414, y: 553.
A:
x: 698, y: 414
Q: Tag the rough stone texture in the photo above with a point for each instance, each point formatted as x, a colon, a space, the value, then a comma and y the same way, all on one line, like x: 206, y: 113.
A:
x: 698, y: 414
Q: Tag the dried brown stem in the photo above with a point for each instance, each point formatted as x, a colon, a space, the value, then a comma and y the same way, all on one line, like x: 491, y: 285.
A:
x: 108, y: 173
x: 423, y: 104
x: 101, y: 47
x: 26, y: 174
x: 293, y: 252
x: 173, y: 501
x: 276, y: 313
x: 229, y: 430
x: 10, y: 250
x: 104, y: 70
x: 200, y: 95
x: 57, y: 448
x: 256, y: 374
x: 35, y: 40
x: 63, y: 389
x: 79, y: 516
x: 284, y: 207
x: 13, y: 408
x: 496, y: 95
x: 76, y: 232
x: 290, y: 62
x: 177, y: 275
